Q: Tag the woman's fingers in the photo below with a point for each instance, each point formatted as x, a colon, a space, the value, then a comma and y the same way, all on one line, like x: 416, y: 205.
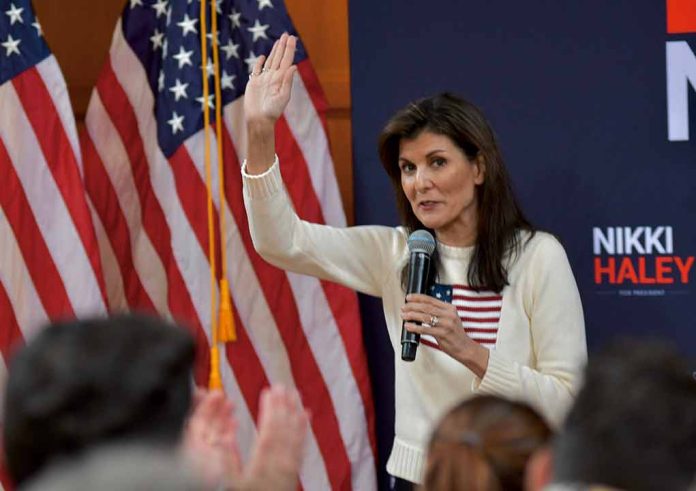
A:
x: 258, y: 65
x: 273, y: 53
x: 425, y: 308
x: 288, y: 54
x: 421, y: 298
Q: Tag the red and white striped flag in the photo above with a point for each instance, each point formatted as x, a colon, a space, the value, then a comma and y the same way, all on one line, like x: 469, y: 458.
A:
x: 144, y: 169
x: 49, y: 260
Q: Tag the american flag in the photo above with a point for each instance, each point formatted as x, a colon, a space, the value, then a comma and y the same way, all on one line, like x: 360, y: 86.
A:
x: 478, y: 310
x: 144, y: 171
x: 49, y: 259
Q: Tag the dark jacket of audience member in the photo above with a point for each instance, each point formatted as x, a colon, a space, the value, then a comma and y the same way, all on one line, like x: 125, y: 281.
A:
x: 633, y: 424
x: 80, y: 384
x: 484, y: 444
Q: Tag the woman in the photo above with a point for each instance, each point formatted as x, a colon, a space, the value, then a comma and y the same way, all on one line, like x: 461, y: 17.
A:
x: 484, y: 444
x: 516, y: 327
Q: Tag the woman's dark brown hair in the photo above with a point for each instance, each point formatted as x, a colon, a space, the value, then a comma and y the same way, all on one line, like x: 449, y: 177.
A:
x: 499, y: 215
x: 484, y: 444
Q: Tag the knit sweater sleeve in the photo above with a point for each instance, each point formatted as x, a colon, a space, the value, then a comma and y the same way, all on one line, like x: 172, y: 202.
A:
x: 552, y: 304
x: 357, y: 257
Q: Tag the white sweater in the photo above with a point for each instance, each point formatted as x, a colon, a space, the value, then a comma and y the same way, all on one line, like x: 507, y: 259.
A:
x: 540, y: 345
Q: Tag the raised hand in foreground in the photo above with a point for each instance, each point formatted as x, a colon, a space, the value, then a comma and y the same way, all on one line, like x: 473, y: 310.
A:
x: 210, y: 442
x: 277, y: 455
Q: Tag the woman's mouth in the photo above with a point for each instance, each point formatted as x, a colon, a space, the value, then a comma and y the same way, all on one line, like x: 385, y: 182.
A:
x: 427, y: 205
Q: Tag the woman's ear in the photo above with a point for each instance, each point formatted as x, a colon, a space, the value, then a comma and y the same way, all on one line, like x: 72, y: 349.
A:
x: 479, y: 169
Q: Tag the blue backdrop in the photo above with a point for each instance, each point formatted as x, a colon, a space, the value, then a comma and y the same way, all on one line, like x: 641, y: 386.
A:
x: 577, y: 93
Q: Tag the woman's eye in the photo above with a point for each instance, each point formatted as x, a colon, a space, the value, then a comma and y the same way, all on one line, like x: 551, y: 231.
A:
x: 407, y: 168
x: 439, y: 162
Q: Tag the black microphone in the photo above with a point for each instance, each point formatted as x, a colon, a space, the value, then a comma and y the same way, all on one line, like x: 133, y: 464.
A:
x: 421, y: 244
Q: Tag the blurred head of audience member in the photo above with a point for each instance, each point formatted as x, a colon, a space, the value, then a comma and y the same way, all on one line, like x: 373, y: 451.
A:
x: 484, y: 444
x: 126, y: 381
x: 633, y: 424
x: 84, y: 383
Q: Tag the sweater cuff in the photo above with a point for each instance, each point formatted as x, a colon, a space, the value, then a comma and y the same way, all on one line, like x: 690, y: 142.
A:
x: 500, y: 377
x: 263, y: 185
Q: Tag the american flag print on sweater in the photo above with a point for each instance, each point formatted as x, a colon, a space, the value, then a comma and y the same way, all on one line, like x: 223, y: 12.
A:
x: 479, y: 312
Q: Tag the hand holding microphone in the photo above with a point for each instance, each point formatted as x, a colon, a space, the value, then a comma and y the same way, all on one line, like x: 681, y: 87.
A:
x: 421, y: 245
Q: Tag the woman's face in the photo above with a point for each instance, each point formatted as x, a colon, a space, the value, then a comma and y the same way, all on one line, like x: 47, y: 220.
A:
x: 440, y: 182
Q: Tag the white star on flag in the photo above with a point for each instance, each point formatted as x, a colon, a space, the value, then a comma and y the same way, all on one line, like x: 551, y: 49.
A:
x: 187, y: 25
x: 160, y: 7
x: 230, y: 49
x: 227, y: 80
x: 14, y: 14
x: 234, y: 18
x: 211, y: 104
x: 160, y: 81
x: 179, y: 90
x: 217, y: 37
x: 264, y: 3
x: 183, y: 57
x: 177, y: 123
x: 258, y: 30
x: 251, y: 61
x: 135, y: 3
x: 210, y: 67
x: 11, y: 45
x: 37, y: 26
x: 157, y: 40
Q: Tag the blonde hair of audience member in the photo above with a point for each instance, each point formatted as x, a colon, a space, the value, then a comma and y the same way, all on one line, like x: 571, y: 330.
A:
x: 483, y: 444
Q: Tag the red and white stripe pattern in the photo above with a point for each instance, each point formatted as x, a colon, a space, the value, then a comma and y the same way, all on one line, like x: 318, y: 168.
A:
x: 49, y: 258
x: 49, y: 261
x: 152, y: 230
x: 479, y: 312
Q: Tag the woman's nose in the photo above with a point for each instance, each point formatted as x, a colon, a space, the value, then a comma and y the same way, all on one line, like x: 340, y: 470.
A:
x: 423, y: 180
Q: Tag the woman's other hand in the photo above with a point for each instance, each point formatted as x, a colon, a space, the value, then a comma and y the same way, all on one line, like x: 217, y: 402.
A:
x: 440, y: 320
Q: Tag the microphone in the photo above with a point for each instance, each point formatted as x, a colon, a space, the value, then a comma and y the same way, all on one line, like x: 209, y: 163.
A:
x: 421, y: 244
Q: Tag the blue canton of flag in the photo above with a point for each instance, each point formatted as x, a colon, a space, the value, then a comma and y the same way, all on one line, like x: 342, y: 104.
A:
x: 165, y: 36
x: 441, y: 292
x: 21, y: 42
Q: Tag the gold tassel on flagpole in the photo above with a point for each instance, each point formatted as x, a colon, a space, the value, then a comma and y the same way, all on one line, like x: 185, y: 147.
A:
x: 226, y: 328
x: 215, y: 378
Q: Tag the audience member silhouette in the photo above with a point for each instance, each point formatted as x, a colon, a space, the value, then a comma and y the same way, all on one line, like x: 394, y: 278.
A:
x: 127, y: 381
x: 483, y: 444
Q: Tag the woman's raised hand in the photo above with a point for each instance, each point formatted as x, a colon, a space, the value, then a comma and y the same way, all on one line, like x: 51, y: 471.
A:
x: 268, y: 91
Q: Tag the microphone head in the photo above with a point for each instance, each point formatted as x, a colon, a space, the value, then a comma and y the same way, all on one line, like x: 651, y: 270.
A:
x: 421, y: 241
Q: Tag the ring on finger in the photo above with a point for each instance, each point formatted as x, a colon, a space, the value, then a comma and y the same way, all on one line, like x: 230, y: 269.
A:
x: 434, y: 320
